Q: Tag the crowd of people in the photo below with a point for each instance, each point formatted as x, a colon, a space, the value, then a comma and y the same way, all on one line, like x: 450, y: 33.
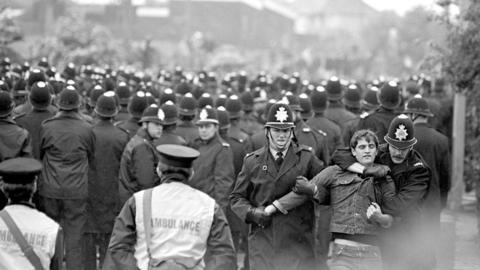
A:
x: 112, y: 168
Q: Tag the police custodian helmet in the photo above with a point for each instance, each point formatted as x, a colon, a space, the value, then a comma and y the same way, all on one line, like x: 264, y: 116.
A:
x: 401, y: 133
x: 280, y: 116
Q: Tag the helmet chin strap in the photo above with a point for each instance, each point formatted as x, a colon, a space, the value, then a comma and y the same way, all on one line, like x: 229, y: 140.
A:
x: 274, y: 146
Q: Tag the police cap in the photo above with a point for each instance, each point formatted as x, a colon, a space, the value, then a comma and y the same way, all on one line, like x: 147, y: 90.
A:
x: 177, y: 155
x: 19, y: 170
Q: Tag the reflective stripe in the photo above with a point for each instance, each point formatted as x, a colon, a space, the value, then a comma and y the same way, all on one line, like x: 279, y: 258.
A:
x: 181, y: 222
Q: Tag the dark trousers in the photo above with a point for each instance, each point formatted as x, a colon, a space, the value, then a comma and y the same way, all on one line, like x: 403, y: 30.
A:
x: 90, y: 243
x: 71, y: 214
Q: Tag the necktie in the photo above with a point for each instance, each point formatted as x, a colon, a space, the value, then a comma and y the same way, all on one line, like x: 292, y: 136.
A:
x: 279, y: 159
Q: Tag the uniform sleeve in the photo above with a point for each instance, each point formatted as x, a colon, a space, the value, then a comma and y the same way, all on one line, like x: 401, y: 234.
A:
x: 316, y: 165
x: 444, y: 173
x: 343, y: 158
x: 120, y: 253
x: 220, y: 251
x: 223, y: 176
x: 410, y: 194
x: 27, y: 145
x: 386, y: 189
x: 239, y: 197
x: 143, y: 166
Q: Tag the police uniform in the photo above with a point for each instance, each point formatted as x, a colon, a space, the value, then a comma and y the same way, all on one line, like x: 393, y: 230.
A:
x: 327, y: 127
x: 139, y: 160
x: 188, y: 228
x: 337, y: 113
x: 214, y: 172
x: 43, y: 234
x: 67, y: 149
x: 103, y: 181
x: 280, y: 241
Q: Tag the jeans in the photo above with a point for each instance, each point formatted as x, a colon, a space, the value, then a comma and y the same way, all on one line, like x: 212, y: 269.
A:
x: 71, y: 215
x: 345, y: 257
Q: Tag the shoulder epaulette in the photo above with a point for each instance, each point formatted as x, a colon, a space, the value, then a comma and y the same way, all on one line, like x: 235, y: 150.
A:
x: 303, y: 147
x: 364, y: 114
x: 418, y: 164
x: 306, y: 129
x: 322, y: 132
x: 224, y: 144
x: 122, y: 129
x: 19, y: 115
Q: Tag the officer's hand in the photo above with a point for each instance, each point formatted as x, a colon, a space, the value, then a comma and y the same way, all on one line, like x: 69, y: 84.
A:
x: 257, y: 215
x: 303, y: 186
x: 270, y: 210
x: 376, y: 170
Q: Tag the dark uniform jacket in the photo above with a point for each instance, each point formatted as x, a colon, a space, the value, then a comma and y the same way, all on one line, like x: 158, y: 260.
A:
x: 337, y: 113
x: 258, y: 140
x: 434, y: 148
x: 213, y: 169
x: 122, y: 115
x: 138, y: 165
x: 170, y: 137
x: 330, y: 130
x: 249, y: 124
x: 131, y: 125
x: 14, y: 140
x: 288, y: 242
x: 103, y: 177
x: 187, y: 130
x: 32, y: 121
x: 311, y: 137
x: 66, y: 149
x: 378, y: 122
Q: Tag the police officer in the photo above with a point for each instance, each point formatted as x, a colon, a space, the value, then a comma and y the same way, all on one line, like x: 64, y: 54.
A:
x: 103, y: 180
x: 19, y: 181
x: 336, y: 109
x: 404, y: 245
x: 14, y: 140
x: 188, y: 228
x: 214, y: 173
x: 123, y: 92
x: 40, y: 99
x: 379, y: 120
x: 321, y: 123
x: 136, y: 106
x: 279, y: 241
x: 169, y: 134
x: 67, y: 151
x: 186, y: 110
x: 434, y: 148
x: 139, y: 158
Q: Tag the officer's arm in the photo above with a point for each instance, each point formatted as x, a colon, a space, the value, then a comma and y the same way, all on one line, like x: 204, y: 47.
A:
x: 239, y: 197
x: 143, y: 166
x: 344, y: 159
x: 293, y: 199
x: 56, y: 263
x: 27, y: 145
x: 223, y: 176
x: 220, y: 251
x: 410, y: 194
x: 120, y: 253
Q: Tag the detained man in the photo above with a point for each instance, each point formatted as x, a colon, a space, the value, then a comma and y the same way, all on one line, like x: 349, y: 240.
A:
x: 355, y: 200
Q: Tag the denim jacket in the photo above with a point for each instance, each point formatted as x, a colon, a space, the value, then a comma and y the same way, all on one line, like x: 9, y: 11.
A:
x: 349, y: 195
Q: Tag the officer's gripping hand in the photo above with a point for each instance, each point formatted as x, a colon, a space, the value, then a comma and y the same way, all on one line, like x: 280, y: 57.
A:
x: 258, y: 216
x: 376, y: 170
x: 305, y: 187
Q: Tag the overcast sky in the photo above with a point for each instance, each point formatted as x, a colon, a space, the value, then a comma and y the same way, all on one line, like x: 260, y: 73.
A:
x: 400, y: 6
